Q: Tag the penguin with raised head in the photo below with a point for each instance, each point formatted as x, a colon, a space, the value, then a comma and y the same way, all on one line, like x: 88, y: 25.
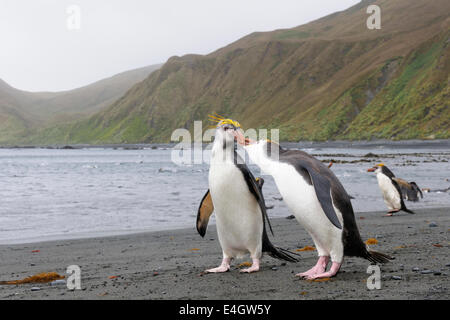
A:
x: 390, y: 188
x: 318, y: 201
x: 236, y: 198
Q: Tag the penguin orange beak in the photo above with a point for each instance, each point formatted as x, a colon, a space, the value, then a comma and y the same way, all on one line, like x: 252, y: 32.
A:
x: 239, y: 137
x: 371, y: 169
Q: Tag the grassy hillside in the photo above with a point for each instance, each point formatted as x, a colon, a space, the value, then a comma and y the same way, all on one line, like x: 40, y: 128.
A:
x: 329, y: 79
x: 22, y: 113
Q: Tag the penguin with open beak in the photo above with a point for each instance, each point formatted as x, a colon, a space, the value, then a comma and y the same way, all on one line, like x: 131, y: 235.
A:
x: 390, y: 188
x: 237, y: 200
x: 318, y: 201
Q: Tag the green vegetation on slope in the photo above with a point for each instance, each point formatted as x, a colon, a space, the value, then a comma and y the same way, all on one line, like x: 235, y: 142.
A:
x: 330, y: 79
x: 23, y: 113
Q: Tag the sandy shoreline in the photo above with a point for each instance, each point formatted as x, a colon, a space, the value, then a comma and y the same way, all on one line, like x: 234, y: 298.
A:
x: 162, y: 265
x: 435, y: 143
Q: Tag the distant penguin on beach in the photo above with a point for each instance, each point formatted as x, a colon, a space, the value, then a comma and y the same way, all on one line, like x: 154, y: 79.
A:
x: 390, y: 188
x: 318, y: 201
x: 236, y: 198
x: 410, y: 190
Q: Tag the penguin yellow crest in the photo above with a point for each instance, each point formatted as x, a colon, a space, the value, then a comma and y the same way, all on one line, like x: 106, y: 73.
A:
x: 221, y: 120
x: 380, y: 165
x: 230, y: 121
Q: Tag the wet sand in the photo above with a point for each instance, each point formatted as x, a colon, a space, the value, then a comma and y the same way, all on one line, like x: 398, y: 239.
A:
x: 168, y: 264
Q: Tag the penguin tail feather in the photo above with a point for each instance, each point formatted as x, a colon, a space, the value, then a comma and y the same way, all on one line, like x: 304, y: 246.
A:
x: 377, y: 257
x: 282, y: 254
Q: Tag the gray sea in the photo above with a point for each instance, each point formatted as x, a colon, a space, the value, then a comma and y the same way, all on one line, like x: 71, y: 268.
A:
x: 49, y: 194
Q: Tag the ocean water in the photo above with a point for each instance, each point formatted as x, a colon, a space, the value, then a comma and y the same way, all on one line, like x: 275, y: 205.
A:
x: 49, y: 194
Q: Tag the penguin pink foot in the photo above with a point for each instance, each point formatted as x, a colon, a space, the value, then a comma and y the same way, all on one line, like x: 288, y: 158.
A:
x: 253, y: 268
x: 391, y: 213
x: 224, y: 267
x: 320, y: 267
x: 333, y: 271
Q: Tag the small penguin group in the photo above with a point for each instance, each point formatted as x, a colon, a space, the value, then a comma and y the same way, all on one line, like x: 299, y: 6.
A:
x: 310, y: 189
x: 394, y: 189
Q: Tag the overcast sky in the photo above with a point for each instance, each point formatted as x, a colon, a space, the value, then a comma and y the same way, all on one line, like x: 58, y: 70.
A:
x: 40, y: 53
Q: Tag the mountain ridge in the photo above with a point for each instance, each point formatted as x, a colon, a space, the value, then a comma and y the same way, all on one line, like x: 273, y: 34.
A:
x: 22, y: 112
x: 329, y: 79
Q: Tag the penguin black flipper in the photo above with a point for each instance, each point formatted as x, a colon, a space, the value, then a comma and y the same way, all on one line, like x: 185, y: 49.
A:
x: 322, y: 186
x: 205, y: 210
x: 402, y: 203
x: 254, y: 187
x: 317, y: 174
x: 416, y: 189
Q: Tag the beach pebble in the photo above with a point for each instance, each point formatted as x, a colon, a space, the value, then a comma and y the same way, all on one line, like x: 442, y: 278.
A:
x: 426, y: 271
x: 415, y: 269
x: 447, y: 265
x: 396, y: 278
x: 58, y: 282
x: 437, y: 273
x: 35, y: 289
x: 433, y: 224
x: 274, y: 268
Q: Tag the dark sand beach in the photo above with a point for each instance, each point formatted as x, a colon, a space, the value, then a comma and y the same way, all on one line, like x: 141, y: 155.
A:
x: 168, y: 264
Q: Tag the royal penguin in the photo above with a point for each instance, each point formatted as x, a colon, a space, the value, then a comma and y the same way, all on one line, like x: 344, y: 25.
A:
x: 318, y: 201
x: 237, y: 200
x: 390, y: 189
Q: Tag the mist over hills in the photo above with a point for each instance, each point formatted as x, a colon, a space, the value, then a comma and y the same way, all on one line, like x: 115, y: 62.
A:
x: 22, y: 112
x: 329, y: 79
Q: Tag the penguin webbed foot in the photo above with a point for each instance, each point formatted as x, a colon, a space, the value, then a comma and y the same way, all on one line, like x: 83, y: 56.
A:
x: 319, y: 268
x: 219, y: 269
x: 253, y: 268
x: 331, y: 273
x: 224, y: 267
x: 390, y: 213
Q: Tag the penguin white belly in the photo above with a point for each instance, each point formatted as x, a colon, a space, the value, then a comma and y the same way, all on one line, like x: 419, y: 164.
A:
x: 301, y: 198
x: 238, y: 215
x: 390, y: 194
